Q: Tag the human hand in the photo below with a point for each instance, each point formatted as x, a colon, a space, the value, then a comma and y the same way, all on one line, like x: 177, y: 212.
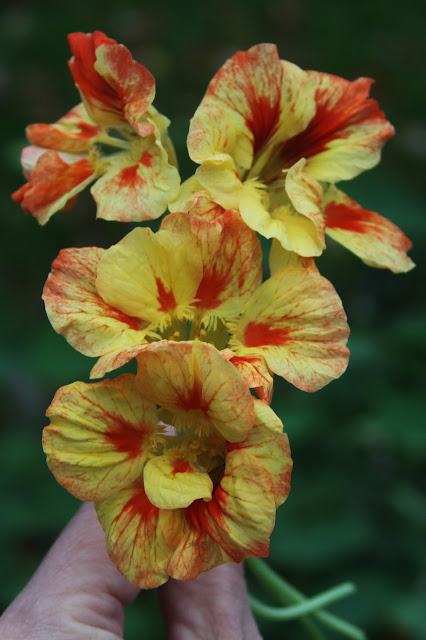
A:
x: 78, y: 594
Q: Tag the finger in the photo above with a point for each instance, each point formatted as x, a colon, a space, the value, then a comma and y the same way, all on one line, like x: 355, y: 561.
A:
x: 76, y: 587
x: 214, y: 605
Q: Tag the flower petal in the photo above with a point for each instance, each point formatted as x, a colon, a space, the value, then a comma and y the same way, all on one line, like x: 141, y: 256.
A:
x: 346, y: 134
x: 253, y: 99
x: 231, y: 258
x: 149, y: 544
x: 77, y: 311
x: 171, y: 482
x: 306, y: 194
x: 99, y: 436
x: 256, y: 374
x: 73, y: 133
x: 131, y: 191
x: 53, y: 184
x: 217, y: 174
x: 150, y: 276
x: 279, y: 258
x: 377, y: 241
x: 295, y: 320
x: 241, y: 514
x: 114, y: 87
x: 198, y: 386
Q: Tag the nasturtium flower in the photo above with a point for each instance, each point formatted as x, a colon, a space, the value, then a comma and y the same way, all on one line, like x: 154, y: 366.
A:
x: 272, y: 140
x: 199, y: 278
x: 114, y: 137
x: 186, y: 468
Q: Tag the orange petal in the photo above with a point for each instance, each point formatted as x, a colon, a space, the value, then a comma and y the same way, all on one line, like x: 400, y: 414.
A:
x: 377, y: 241
x: 114, y: 87
x: 98, y: 439
x: 74, y: 132
x: 346, y: 134
x: 53, y: 183
x: 295, y: 320
x: 77, y: 311
x: 198, y: 386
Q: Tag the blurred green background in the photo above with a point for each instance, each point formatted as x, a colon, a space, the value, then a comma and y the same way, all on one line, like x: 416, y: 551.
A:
x: 357, y: 509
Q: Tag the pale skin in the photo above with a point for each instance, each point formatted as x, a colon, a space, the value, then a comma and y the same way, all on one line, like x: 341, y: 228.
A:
x: 78, y: 594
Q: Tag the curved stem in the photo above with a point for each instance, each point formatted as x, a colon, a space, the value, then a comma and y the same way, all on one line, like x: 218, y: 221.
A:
x: 303, y: 608
x: 287, y: 594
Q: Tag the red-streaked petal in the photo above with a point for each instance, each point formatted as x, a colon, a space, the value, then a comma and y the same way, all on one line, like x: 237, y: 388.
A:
x: 132, y: 191
x: 148, y: 544
x: 99, y: 436
x: 241, y: 514
x: 231, y: 260
x: 114, y: 87
x: 74, y: 132
x: 295, y: 320
x: 346, y: 134
x: 256, y: 374
x: 198, y: 386
x: 77, y: 311
x: 377, y: 241
x: 254, y: 99
x: 53, y: 183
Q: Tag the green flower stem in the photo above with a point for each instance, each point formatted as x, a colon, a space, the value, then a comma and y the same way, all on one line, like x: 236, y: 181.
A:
x: 308, y: 606
x: 287, y: 594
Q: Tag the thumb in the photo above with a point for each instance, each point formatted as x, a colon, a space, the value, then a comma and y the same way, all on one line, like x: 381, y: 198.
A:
x: 75, y: 591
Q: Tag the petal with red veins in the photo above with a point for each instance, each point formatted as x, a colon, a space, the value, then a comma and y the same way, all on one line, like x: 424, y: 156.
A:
x: 231, y: 258
x: 114, y: 87
x: 53, y: 184
x: 256, y: 374
x: 73, y: 133
x: 254, y: 99
x: 171, y: 482
x: 202, y: 391
x: 77, y: 311
x: 132, y: 191
x: 148, y: 544
x: 295, y: 320
x: 98, y: 439
x: 150, y: 276
x: 377, y: 241
x: 346, y: 134
x: 241, y: 514
x: 279, y: 258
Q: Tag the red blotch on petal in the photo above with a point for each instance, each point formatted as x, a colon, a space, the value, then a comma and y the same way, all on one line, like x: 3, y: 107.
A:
x: 146, y: 159
x: 129, y: 176
x: 165, y: 298
x: 340, y: 216
x: 209, y: 290
x: 125, y: 438
x: 182, y: 466
x: 258, y: 334
x: 331, y: 121
x: 139, y: 506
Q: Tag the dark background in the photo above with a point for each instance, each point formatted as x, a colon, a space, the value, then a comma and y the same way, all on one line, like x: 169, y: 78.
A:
x: 357, y: 509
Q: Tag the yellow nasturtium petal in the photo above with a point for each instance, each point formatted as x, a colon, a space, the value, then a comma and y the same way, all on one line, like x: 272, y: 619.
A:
x: 98, y: 439
x: 280, y: 258
x: 77, y: 311
x: 137, y: 188
x: 202, y: 390
x: 171, y: 482
x: 377, y: 241
x: 149, y: 544
x: 241, y: 514
x: 150, y: 275
x: 296, y: 321
x: 218, y: 175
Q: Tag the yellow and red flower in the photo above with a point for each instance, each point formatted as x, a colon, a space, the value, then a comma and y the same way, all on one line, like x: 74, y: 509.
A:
x: 115, y: 137
x: 196, y: 278
x: 272, y: 140
x: 186, y: 468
